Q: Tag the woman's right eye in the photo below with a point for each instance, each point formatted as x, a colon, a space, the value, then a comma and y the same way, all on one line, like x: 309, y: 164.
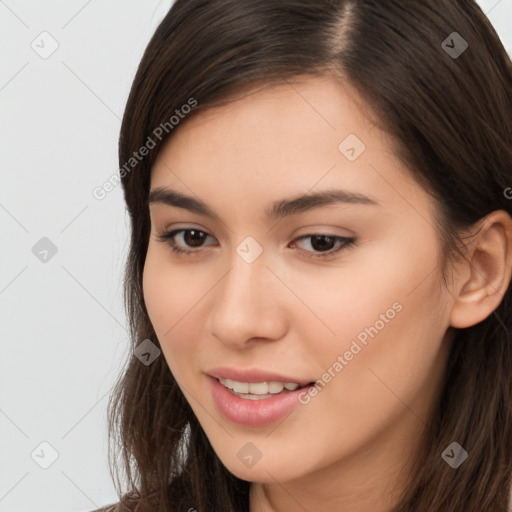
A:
x: 190, y: 237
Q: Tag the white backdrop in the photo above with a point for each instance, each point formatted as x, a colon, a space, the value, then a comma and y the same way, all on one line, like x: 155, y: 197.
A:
x: 66, y: 69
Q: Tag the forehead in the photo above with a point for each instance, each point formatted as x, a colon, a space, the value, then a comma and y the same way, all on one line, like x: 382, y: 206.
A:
x: 299, y: 108
x: 277, y: 141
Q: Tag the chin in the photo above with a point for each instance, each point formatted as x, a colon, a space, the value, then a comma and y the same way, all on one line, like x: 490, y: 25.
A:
x: 278, y: 467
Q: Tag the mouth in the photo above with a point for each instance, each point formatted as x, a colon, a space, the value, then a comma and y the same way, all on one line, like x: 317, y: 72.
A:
x: 260, y: 390
x: 256, y: 404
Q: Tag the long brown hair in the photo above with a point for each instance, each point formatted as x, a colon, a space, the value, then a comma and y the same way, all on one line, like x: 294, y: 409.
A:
x: 450, y: 116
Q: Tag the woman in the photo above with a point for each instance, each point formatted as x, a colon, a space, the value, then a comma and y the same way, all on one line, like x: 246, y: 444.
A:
x: 318, y: 281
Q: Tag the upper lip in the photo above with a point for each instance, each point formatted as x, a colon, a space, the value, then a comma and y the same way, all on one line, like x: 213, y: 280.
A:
x: 253, y: 375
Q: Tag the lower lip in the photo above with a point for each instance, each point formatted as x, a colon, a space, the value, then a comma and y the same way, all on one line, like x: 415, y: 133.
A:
x: 254, y: 413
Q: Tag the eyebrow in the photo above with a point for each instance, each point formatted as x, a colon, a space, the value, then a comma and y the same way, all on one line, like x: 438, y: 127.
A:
x: 278, y: 209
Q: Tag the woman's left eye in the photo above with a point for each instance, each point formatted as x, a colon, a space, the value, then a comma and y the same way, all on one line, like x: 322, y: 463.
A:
x: 326, y: 245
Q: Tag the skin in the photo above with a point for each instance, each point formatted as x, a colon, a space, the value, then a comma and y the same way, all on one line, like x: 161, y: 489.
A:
x: 351, y: 447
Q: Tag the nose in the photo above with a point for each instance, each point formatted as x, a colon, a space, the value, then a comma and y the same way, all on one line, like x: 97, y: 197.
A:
x: 248, y: 305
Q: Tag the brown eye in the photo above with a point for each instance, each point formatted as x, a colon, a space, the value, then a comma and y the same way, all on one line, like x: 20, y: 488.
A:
x: 322, y: 242
x: 325, y: 245
x: 190, y: 239
x: 194, y: 238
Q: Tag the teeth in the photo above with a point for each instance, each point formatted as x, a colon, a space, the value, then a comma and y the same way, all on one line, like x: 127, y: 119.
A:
x: 275, y: 387
x: 240, y: 387
x: 258, y: 388
x: 227, y: 382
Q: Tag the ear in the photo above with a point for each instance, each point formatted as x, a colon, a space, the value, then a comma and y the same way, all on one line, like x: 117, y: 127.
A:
x: 484, y: 275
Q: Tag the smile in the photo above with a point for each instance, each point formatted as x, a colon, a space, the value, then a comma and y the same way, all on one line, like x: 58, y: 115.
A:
x: 255, y: 404
x: 258, y: 390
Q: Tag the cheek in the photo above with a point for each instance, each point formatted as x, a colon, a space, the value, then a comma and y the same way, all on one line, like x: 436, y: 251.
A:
x: 392, y: 375
x: 169, y: 292
x: 389, y: 314
x: 371, y: 295
x: 175, y: 299
x: 393, y: 353
x: 157, y: 285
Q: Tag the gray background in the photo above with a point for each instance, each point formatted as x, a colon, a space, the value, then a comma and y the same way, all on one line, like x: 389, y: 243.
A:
x: 62, y: 331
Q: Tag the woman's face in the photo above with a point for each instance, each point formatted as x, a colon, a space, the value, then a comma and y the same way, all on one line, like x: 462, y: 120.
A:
x: 343, y: 290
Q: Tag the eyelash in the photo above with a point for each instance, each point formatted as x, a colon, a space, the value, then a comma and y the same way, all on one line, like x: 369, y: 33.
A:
x: 345, y: 243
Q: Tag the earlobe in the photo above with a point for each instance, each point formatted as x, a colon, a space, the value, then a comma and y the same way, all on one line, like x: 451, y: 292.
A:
x: 484, y: 275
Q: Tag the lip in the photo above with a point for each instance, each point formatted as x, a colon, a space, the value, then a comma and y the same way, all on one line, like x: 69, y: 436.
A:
x: 254, y: 375
x: 253, y: 413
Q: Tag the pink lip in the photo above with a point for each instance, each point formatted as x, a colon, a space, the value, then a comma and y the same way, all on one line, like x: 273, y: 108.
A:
x: 255, y: 375
x: 254, y: 413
